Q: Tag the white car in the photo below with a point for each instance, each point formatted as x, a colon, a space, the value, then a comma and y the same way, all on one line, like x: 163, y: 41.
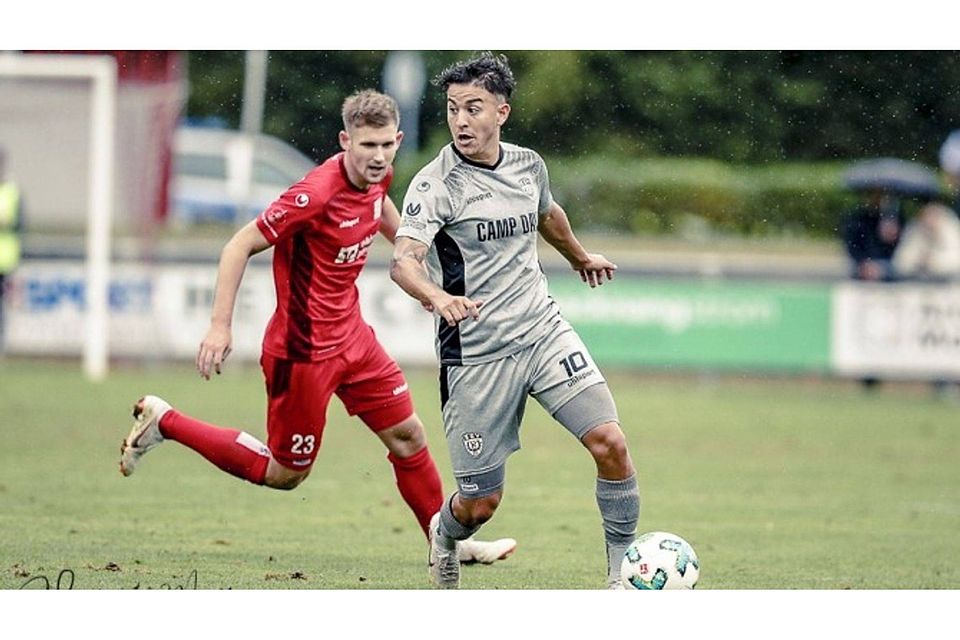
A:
x: 227, y: 176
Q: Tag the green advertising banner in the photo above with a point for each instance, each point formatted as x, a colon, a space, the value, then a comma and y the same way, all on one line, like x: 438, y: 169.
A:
x: 701, y: 323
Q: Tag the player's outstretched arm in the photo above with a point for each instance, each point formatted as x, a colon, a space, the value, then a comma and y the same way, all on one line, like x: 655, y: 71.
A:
x: 408, y: 271
x: 216, y: 345
x: 555, y: 229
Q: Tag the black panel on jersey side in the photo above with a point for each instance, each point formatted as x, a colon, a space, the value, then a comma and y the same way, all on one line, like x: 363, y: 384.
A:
x: 451, y: 263
x: 298, y: 319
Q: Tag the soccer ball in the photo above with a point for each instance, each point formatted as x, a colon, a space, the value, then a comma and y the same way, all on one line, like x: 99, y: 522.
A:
x: 660, y: 560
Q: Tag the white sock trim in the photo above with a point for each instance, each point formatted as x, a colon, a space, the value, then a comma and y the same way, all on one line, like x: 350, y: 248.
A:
x: 251, y: 443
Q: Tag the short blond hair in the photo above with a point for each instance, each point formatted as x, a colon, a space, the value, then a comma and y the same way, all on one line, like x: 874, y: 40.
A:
x: 370, y: 108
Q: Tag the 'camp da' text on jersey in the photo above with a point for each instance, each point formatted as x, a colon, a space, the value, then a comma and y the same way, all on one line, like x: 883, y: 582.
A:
x: 480, y: 223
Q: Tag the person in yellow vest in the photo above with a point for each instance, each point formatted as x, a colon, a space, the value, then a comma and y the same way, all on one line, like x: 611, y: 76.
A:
x: 10, y: 226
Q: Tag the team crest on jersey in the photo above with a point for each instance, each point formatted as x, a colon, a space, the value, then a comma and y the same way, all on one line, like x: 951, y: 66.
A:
x: 413, y: 210
x: 302, y: 200
x: 377, y: 208
x: 526, y: 185
x: 473, y: 443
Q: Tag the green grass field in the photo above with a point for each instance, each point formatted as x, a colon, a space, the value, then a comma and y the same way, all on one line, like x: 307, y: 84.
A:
x: 778, y: 484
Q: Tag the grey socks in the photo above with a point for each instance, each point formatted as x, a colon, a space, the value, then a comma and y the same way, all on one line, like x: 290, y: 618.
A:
x: 619, y: 502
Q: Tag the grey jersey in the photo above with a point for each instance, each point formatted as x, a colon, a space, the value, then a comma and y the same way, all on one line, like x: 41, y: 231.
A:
x: 481, y: 226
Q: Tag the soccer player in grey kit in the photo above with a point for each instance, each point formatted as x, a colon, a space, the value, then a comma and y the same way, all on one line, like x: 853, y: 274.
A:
x: 467, y: 249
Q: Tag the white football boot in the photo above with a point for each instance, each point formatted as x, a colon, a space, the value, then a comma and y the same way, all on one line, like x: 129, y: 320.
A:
x: 145, y: 434
x: 444, y: 563
x: 472, y: 551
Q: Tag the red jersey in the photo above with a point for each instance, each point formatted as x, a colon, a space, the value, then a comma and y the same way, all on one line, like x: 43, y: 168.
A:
x: 321, y: 228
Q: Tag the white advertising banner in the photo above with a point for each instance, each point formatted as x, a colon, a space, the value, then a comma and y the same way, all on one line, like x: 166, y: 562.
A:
x: 403, y: 327
x: 906, y: 330
x: 163, y: 311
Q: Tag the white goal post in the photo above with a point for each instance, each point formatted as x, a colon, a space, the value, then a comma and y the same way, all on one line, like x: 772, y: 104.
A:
x: 101, y: 71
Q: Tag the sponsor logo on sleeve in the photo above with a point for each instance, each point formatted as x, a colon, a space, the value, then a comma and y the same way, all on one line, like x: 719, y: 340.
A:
x: 273, y: 219
x: 412, y: 210
x: 407, y: 223
x: 423, y: 187
x: 302, y: 200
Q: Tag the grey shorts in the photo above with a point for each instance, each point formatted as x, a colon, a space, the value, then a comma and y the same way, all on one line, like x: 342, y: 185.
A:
x: 483, y: 404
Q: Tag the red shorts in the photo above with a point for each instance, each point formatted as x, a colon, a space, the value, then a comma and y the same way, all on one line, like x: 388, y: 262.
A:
x: 367, y: 380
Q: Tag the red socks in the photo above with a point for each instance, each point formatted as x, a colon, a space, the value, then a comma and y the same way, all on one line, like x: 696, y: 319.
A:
x: 240, y: 454
x: 236, y: 452
x: 419, y: 484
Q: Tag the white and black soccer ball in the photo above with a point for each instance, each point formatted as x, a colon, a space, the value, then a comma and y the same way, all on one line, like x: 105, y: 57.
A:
x: 660, y: 560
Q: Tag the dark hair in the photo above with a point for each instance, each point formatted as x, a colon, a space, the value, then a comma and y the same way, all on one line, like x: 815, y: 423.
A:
x: 492, y: 72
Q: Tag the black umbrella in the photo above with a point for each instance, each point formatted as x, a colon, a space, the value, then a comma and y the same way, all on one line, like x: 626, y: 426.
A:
x: 891, y: 175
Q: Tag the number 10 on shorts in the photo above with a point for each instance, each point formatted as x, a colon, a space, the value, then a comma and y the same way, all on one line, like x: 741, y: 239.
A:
x: 573, y: 363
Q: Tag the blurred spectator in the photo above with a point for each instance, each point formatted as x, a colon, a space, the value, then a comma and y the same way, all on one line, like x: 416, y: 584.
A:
x: 870, y: 232
x: 930, y: 251
x: 930, y: 246
x: 10, y: 223
x: 950, y: 164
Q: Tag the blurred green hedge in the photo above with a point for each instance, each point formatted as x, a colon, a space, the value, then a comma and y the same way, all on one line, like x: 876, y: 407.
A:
x: 693, y: 197
x: 702, y: 197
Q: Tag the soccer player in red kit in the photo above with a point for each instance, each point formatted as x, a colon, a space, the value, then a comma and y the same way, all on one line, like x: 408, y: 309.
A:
x: 317, y: 343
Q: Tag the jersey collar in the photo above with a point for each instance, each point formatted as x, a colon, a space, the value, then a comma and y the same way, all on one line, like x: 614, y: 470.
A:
x: 478, y: 164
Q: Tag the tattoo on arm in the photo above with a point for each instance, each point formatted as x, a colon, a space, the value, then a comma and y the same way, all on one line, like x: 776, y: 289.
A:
x: 418, y: 253
x: 414, y: 253
x: 419, y: 256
